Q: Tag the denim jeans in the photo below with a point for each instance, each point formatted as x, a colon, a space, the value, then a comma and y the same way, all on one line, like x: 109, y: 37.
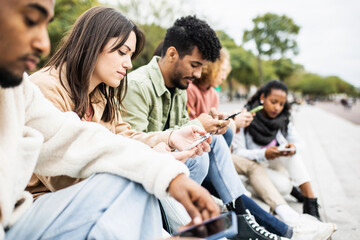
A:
x: 228, y: 135
x: 265, y: 219
x: 217, y: 168
x: 104, y: 206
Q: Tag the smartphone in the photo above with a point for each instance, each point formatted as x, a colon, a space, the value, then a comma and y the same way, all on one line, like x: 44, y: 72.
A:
x: 256, y: 109
x: 197, y: 142
x: 224, y: 225
x: 284, y: 149
x: 231, y: 116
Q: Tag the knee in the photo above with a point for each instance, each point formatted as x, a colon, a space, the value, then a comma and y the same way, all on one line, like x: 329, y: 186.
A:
x: 218, y: 144
x: 198, y: 167
x: 282, y: 182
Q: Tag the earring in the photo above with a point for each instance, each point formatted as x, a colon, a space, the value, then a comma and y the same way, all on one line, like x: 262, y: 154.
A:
x: 261, y: 101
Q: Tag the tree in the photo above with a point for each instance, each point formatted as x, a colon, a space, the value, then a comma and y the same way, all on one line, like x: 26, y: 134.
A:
x: 146, y: 12
x: 272, y: 34
x: 241, y: 63
x: 154, y: 35
x: 284, y: 68
x: 66, y: 13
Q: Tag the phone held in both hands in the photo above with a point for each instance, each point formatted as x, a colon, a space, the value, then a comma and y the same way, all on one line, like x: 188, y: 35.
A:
x: 197, y: 142
x: 284, y: 149
x: 224, y: 225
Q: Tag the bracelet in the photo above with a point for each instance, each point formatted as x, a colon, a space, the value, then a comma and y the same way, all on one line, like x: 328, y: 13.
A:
x: 171, y: 148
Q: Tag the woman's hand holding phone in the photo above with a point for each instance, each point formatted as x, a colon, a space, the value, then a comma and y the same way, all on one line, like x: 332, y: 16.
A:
x: 185, y: 136
x: 272, y: 153
x: 243, y: 119
x: 287, y: 150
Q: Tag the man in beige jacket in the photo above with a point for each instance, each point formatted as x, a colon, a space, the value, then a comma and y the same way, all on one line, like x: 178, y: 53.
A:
x: 35, y: 136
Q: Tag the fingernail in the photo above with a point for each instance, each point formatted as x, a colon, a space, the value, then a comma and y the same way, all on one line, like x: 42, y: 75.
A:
x: 197, y: 220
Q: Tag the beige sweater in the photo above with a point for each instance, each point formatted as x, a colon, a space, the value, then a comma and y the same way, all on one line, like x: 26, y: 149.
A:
x: 35, y: 136
x: 50, y: 85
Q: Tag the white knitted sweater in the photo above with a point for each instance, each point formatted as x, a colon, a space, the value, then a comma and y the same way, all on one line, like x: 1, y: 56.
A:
x: 35, y: 136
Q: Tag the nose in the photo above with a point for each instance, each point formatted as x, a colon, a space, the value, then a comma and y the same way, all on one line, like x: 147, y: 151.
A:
x: 277, y: 107
x: 41, y: 42
x: 127, y: 63
x: 197, y: 73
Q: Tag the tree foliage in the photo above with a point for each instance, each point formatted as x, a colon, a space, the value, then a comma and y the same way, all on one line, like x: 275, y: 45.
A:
x: 66, y: 13
x: 272, y: 34
x: 284, y: 68
x: 316, y: 85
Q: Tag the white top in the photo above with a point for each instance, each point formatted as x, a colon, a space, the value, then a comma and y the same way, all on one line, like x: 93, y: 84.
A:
x: 244, y: 145
x: 36, y: 136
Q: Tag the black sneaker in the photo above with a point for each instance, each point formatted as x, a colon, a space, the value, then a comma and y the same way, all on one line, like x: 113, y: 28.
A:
x: 296, y: 193
x: 311, y: 207
x: 248, y: 229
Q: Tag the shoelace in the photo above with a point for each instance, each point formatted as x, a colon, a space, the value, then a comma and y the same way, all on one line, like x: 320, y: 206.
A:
x: 251, y: 220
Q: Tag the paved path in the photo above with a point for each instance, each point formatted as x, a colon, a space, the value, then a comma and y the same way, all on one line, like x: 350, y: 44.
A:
x: 352, y: 114
x: 332, y: 156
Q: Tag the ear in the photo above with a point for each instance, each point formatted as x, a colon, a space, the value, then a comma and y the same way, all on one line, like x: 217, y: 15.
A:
x: 172, y: 54
x: 262, y: 97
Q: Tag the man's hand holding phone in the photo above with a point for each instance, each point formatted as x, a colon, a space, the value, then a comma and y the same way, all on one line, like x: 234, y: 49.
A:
x: 222, y: 119
x: 213, y: 125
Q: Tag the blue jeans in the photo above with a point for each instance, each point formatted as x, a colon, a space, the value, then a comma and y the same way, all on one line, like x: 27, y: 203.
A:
x: 265, y: 219
x: 104, y: 206
x: 218, y: 168
x: 223, y: 177
x: 228, y: 135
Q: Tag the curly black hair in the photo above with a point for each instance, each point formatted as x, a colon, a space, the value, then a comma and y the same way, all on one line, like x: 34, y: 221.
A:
x: 188, y: 32
x: 266, y: 90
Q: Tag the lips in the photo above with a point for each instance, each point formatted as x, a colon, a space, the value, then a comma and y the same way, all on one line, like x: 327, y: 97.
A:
x: 121, y: 73
x: 31, y: 62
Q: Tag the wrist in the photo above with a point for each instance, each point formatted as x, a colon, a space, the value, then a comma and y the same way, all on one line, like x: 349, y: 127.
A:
x: 170, y: 143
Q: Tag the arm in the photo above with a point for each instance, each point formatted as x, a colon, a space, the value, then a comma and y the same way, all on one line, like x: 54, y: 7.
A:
x: 151, y: 139
x: 240, y: 148
x: 79, y: 149
x: 294, y: 138
x: 191, y: 103
x: 138, y: 104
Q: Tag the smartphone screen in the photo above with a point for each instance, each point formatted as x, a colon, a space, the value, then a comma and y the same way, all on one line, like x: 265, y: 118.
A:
x: 197, y: 142
x: 224, y: 225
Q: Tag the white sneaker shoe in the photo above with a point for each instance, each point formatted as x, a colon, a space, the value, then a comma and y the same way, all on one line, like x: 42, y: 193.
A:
x: 309, y: 228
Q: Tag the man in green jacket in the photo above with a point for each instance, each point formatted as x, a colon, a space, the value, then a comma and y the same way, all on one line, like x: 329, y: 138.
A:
x: 156, y: 100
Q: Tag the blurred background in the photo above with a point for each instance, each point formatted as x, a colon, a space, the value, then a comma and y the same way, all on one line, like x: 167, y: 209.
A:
x: 313, y: 46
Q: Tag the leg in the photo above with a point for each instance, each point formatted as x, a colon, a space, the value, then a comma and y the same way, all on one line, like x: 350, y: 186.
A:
x: 198, y: 167
x: 222, y: 173
x: 104, y: 206
x: 175, y: 212
x: 228, y: 136
x: 297, y: 171
x: 259, y: 180
x: 265, y: 219
x: 300, y: 176
x: 280, y: 180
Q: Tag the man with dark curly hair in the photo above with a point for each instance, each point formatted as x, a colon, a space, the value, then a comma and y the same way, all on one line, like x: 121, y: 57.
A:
x: 156, y: 101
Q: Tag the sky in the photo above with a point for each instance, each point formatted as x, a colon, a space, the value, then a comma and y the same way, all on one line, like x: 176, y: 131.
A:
x: 329, y: 38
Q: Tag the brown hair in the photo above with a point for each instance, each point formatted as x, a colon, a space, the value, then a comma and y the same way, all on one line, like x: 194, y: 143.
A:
x: 79, y: 52
x: 212, y: 69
